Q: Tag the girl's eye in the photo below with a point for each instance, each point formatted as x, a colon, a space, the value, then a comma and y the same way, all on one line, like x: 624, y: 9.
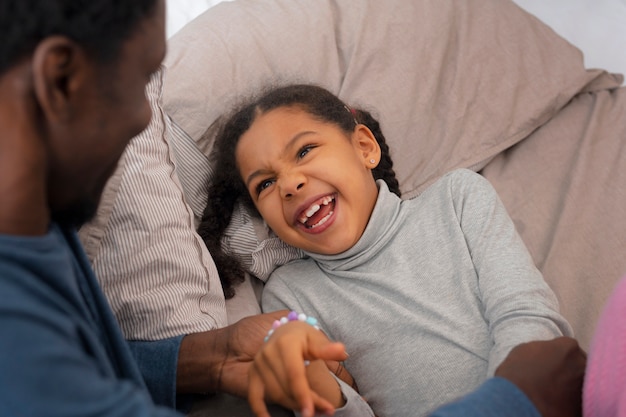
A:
x: 263, y: 185
x: 304, y: 150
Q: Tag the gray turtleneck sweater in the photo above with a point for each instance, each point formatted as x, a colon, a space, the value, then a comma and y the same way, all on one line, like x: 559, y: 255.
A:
x: 430, y: 300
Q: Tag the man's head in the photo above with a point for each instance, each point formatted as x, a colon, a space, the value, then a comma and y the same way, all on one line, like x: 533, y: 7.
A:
x: 72, y: 77
x: 99, y: 26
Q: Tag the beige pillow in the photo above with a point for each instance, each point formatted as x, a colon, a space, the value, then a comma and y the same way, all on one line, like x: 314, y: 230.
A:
x: 565, y: 188
x: 453, y: 82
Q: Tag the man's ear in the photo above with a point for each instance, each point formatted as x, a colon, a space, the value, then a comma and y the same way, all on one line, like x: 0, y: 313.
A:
x: 367, y: 145
x: 60, y: 69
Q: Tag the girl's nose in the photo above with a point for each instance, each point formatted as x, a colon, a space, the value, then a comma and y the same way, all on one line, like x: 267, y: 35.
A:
x: 292, y: 185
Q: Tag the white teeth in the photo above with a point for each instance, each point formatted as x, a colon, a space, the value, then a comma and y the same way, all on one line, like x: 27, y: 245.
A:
x: 314, y: 209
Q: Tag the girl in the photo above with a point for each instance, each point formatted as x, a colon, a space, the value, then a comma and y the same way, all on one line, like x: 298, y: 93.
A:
x: 429, y: 295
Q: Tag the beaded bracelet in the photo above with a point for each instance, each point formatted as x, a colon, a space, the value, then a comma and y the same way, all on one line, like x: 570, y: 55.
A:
x: 292, y: 316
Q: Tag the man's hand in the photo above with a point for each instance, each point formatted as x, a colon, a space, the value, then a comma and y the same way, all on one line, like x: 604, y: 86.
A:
x: 219, y: 360
x: 550, y: 373
x: 245, y: 339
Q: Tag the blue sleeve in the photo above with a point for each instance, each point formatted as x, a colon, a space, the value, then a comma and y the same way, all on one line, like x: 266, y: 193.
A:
x: 49, y: 367
x: 157, y: 361
x: 496, y: 397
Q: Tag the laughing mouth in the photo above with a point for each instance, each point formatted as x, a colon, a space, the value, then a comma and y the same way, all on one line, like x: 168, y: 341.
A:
x: 318, y: 213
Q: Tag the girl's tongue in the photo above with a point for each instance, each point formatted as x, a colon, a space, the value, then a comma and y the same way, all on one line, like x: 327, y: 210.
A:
x: 318, y: 213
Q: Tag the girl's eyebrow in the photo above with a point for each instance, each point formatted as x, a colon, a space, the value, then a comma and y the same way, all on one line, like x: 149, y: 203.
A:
x: 257, y: 173
x: 297, y: 136
x: 288, y: 146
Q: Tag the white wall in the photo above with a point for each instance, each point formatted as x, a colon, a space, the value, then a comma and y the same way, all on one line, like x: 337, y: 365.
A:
x: 180, y: 12
x: 597, y: 27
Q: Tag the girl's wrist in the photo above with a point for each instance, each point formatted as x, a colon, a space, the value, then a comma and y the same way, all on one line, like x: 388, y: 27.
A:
x: 292, y: 316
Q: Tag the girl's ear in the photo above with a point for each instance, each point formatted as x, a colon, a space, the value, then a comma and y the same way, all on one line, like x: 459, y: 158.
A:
x: 367, y: 146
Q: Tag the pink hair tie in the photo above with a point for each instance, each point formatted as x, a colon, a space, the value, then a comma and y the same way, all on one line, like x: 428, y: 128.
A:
x: 353, y: 113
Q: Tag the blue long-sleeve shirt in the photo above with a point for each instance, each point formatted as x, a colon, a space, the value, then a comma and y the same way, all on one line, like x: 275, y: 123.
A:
x: 61, y: 351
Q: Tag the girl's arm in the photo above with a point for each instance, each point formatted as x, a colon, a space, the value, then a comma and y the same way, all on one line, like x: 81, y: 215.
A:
x: 519, y: 306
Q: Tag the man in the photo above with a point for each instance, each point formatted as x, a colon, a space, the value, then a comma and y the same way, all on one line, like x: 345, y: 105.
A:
x: 72, y: 95
x: 72, y: 78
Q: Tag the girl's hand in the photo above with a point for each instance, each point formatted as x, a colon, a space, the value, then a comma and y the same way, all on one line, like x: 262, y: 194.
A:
x: 323, y: 383
x: 279, y: 374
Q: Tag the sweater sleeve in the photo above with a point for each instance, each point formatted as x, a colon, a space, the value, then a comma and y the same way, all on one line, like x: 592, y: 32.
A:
x: 157, y: 361
x: 46, y: 369
x: 519, y: 306
x: 355, y: 405
x: 496, y: 397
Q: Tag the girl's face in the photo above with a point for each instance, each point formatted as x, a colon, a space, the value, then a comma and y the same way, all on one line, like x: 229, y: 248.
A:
x: 312, y: 184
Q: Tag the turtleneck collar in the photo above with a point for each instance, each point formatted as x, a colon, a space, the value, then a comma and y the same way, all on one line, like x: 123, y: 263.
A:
x: 381, y: 227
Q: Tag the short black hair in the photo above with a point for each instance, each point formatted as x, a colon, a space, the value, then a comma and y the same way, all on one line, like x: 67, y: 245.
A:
x: 100, y: 26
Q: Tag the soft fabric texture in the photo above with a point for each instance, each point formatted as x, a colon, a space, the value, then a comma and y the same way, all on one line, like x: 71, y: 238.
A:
x: 604, y: 393
x: 450, y: 90
x: 454, y: 83
x: 355, y: 405
x: 54, y: 317
x: 154, y: 269
x: 565, y: 188
x: 430, y: 300
x: 158, y: 361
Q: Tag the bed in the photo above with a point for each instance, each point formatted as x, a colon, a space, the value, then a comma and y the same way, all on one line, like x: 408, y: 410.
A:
x: 479, y: 84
